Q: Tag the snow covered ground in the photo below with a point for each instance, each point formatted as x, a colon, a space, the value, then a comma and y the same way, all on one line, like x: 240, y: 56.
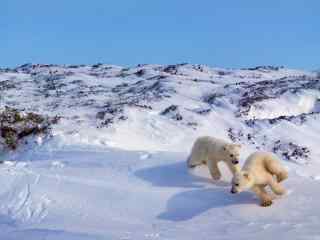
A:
x: 115, y: 166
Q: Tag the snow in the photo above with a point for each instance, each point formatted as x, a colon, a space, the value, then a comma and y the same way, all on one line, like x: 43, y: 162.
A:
x: 129, y: 179
x: 288, y: 104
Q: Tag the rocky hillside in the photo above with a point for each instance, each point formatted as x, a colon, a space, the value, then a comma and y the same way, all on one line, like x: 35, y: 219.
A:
x: 122, y: 136
x: 168, y: 106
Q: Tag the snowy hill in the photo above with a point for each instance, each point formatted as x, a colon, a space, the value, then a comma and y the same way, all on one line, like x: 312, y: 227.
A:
x: 114, y: 167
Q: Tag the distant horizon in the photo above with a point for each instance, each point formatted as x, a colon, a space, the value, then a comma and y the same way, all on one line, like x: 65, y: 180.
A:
x: 136, y: 65
x: 225, y: 34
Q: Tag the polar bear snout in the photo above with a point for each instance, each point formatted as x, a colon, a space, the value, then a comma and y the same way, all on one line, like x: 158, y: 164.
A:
x: 233, y: 190
x: 234, y: 158
x: 235, y: 162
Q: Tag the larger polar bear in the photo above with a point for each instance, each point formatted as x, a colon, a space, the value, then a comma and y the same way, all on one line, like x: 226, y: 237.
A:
x: 210, y: 151
x: 259, y: 171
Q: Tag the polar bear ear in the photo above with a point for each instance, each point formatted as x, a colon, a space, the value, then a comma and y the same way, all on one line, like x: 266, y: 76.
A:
x: 246, y: 175
x: 236, y: 145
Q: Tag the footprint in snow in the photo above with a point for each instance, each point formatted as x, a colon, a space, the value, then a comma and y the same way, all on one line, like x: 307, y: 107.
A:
x: 57, y: 164
x: 316, y: 178
x: 145, y: 156
x: 289, y: 192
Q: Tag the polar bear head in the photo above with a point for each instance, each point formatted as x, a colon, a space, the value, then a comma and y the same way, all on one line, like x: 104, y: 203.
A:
x: 241, y: 181
x: 232, y: 152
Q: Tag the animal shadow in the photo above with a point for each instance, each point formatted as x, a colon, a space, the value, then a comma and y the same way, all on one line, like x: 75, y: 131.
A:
x: 175, y: 175
x: 189, y: 204
x: 204, y: 195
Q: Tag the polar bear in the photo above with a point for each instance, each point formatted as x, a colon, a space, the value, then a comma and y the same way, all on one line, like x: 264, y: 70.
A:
x: 210, y: 151
x: 259, y: 171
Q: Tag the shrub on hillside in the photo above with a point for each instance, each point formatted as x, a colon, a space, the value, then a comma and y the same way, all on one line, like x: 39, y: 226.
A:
x: 16, y: 125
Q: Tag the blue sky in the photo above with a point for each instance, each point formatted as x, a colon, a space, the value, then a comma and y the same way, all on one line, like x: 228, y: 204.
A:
x: 225, y: 33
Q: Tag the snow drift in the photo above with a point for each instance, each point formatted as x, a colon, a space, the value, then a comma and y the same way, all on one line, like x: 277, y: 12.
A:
x: 114, y: 167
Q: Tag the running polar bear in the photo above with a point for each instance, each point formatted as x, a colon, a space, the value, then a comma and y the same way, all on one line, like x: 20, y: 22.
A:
x: 210, y: 151
x: 258, y: 172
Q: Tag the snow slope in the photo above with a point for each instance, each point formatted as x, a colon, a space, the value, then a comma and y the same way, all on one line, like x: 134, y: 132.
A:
x: 115, y: 166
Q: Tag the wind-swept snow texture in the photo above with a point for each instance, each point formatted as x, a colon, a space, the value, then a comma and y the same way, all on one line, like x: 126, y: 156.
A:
x: 115, y: 166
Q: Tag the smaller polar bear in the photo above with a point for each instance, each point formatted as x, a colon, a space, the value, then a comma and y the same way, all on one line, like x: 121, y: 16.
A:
x: 257, y: 173
x: 210, y: 151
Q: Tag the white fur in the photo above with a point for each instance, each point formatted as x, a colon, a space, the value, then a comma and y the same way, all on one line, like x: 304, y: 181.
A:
x: 259, y: 171
x: 210, y: 151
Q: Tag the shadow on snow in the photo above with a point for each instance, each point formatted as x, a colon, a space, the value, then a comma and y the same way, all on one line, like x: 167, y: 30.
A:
x: 188, y: 204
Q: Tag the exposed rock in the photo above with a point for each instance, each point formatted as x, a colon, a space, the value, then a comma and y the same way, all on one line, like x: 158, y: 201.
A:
x: 172, y: 112
x: 291, y: 151
x: 213, y: 98
x: 15, y: 125
x: 263, y: 68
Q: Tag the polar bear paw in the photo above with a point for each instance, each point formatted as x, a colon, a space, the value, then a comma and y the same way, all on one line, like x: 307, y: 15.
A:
x: 216, y: 176
x: 266, y: 203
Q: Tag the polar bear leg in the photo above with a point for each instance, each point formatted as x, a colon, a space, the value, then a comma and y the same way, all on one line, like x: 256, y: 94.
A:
x: 282, y: 175
x: 265, y: 199
x: 213, y: 169
x: 198, y: 156
x: 275, y: 168
x: 276, y: 187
